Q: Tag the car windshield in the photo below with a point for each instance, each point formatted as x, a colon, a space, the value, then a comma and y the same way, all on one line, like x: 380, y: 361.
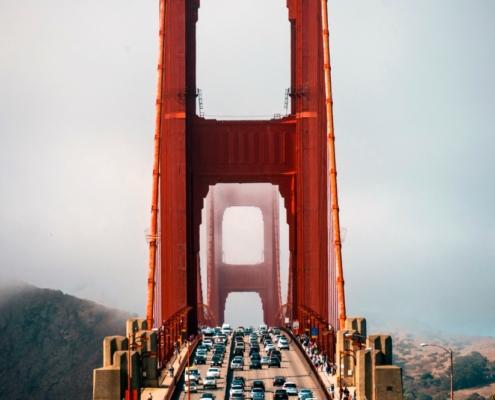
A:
x: 290, y: 385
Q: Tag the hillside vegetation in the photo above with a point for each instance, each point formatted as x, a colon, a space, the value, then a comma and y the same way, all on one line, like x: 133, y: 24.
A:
x: 51, y: 342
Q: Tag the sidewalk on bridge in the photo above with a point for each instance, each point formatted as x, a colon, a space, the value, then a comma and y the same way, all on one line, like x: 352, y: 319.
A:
x: 332, y: 379
x: 329, y: 379
x: 165, y: 380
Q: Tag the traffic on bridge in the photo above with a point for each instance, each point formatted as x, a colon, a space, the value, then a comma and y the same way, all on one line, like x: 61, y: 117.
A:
x: 257, y: 364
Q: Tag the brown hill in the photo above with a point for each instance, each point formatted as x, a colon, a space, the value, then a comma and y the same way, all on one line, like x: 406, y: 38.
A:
x: 51, y: 342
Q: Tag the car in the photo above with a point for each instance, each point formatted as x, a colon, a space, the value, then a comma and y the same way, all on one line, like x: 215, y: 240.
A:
x: 255, y: 364
x: 283, y: 346
x: 269, y: 346
x: 257, y: 390
x: 191, y: 387
x: 265, y: 360
x: 237, y: 396
x: 254, y: 350
x: 258, y: 384
x: 274, y: 362
x: 236, y: 388
x: 216, y: 361
x: 276, y: 330
x: 239, y: 380
x: 208, y: 396
x: 258, y: 395
x: 200, y: 360
x: 255, y: 356
x: 304, y: 393
x: 238, y: 351
x: 237, y: 363
x: 202, y: 348
x: 215, y: 372
x: 192, y: 373
x: 280, y: 394
x: 209, y: 381
x: 276, y: 353
x: 291, y: 388
x: 278, y: 380
x: 201, y: 353
x: 281, y: 341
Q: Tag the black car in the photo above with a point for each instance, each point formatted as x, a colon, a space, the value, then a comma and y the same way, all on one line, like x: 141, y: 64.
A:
x: 278, y: 380
x: 254, y: 350
x: 216, y: 361
x: 255, y: 364
x: 256, y: 356
x: 276, y: 353
x: 239, y: 380
x: 280, y: 394
x: 258, y: 384
x: 239, y: 351
x: 274, y: 362
x: 208, y: 396
x: 200, y: 360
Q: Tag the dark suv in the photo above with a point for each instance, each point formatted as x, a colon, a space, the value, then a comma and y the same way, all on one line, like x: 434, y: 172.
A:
x: 278, y: 380
x: 280, y: 394
x: 258, y: 384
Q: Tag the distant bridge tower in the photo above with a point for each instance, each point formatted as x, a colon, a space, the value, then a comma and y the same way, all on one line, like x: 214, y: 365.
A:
x: 262, y: 278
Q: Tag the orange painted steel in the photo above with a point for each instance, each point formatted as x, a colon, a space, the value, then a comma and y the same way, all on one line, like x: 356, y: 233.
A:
x: 333, y: 168
x: 196, y: 154
x: 156, y: 174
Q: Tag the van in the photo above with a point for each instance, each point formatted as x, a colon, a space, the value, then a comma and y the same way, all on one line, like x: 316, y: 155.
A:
x: 226, y: 329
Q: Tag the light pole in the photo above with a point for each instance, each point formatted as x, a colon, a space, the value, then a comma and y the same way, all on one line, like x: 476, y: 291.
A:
x: 451, y: 366
x: 373, y: 367
x: 341, y: 373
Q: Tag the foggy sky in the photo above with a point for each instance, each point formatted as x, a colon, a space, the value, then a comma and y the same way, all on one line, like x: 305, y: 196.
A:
x: 414, y: 101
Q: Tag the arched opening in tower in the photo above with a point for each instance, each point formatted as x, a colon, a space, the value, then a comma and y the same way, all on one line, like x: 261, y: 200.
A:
x: 247, y: 316
x: 242, y: 236
x: 237, y: 78
x: 244, y: 248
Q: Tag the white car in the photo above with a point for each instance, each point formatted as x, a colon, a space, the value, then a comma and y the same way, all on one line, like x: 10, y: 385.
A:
x: 265, y: 360
x: 269, y: 346
x: 215, y: 372
x: 291, y: 388
x: 236, y: 389
x: 209, y: 381
x: 191, y: 386
x: 305, y: 394
x: 283, y: 346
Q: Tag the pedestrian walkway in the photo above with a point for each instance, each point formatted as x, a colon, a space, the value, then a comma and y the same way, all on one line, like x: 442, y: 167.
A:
x: 166, y: 381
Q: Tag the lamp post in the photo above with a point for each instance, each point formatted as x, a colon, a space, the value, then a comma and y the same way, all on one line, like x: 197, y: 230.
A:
x: 345, y: 353
x: 373, y: 366
x: 189, y: 374
x: 451, y: 366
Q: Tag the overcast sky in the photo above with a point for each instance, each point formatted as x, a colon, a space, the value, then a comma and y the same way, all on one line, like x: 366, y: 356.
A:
x: 414, y: 105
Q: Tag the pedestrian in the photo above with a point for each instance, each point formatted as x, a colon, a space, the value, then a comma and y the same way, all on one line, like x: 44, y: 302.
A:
x: 150, y: 397
x: 328, y: 369
x: 171, y: 370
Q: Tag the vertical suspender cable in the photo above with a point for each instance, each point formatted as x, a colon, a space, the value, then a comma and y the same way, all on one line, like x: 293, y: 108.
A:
x: 156, y: 170
x: 333, y: 168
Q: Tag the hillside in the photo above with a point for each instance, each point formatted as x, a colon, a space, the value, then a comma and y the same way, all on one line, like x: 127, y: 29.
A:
x: 51, y: 342
x: 426, y: 369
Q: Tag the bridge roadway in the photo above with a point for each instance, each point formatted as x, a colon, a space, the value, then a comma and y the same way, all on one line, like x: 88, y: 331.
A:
x: 293, y: 367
